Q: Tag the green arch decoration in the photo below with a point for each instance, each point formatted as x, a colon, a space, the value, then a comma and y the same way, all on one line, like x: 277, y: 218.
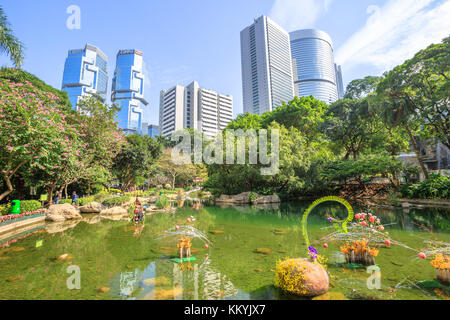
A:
x: 340, y: 225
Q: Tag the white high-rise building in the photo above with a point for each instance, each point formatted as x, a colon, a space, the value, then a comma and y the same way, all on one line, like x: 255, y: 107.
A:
x: 267, y: 79
x: 193, y: 107
x: 315, y: 73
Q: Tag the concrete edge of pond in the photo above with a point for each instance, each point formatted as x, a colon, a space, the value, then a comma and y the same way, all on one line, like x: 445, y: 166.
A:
x: 19, y: 226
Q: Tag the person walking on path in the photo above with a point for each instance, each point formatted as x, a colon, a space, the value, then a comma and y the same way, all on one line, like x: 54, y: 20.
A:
x: 74, y: 198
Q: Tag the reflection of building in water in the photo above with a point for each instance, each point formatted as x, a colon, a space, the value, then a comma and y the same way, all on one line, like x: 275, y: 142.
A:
x: 205, y: 280
x: 129, y: 282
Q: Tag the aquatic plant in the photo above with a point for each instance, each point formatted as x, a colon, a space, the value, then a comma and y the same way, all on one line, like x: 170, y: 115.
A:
x: 162, y: 202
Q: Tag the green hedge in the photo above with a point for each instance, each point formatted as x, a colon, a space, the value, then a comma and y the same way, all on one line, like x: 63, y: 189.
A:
x: 29, y: 205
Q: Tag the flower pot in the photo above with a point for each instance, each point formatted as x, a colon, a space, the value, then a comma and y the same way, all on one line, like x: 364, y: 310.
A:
x: 443, y: 276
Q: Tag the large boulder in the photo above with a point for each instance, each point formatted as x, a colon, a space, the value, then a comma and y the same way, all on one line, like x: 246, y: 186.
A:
x: 91, y: 207
x: 114, y: 211
x: 243, y: 198
x: 302, y: 277
x: 267, y: 199
x: 61, y: 212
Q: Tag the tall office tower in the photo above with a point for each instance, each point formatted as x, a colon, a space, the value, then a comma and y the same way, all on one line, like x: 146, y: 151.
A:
x: 194, y: 107
x: 313, y: 64
x: 339, y: 81
x: 153, y: 130
x: 266, y: 66
x: 171, y: 110
x: 128, y: 90
x: 85, y: 73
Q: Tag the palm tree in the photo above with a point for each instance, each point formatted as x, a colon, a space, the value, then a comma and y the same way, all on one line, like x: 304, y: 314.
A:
x: 9, y: 44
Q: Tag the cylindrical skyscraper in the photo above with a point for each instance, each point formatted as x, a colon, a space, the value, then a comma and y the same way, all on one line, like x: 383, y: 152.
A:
x: 313, y: 65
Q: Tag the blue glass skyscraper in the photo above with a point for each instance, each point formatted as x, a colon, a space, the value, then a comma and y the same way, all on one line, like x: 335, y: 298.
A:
x: 128, y: 90
x: 85, y: 73
x: 313, y: 65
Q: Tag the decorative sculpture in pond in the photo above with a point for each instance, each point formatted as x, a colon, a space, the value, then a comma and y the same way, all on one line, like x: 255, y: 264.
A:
x: 308, y: 277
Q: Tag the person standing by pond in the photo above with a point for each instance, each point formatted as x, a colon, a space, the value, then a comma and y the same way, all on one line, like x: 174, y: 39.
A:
x: 74, y: 198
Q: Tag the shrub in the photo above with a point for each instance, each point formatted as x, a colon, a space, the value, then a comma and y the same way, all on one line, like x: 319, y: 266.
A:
x: 29, y: 205
x: 436, y: 186
x: 100, y: 197
x: 4, y: 209
x: 116, y: 201
x: 63, y: 201
x: 114, y: 191
x: 85, y: 201
x: 162, y: 202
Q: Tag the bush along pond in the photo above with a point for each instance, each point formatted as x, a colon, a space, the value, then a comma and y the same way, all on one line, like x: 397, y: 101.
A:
x: 294, y: 250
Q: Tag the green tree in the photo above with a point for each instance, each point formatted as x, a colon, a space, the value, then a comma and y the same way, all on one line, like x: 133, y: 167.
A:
x: 361, y: 88
x: 136, y: 159
x: 305, y: 114
x: 9, y: 44
x: 173, y: 171
x: 415, y: 96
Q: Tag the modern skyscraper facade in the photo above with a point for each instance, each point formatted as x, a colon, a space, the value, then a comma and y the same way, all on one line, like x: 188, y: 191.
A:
x: 339, y: 81
x: 193, y: 107
x: 128, y: 90
x: 85, y: 73
x: 153, y: 130
x: 313, y: 65
x: 267, y: 78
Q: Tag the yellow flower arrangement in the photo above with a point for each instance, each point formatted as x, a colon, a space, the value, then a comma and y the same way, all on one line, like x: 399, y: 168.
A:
x: 359, y: 252
x: 442, y: 265
x: 441, y: 262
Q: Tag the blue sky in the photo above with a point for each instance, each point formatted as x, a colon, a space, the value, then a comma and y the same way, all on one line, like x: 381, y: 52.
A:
x: 199, y: 40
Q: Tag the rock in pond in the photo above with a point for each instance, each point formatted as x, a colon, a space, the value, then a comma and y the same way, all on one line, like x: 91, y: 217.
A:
x: 91, y: 207
x: 302, y: 277
x: 115, y: 211
x: 267, y: 199
x: 61, y: 212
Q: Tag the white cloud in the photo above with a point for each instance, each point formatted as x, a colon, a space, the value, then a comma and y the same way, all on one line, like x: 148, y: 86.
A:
x: 395, y: 32
x: 298, y: 14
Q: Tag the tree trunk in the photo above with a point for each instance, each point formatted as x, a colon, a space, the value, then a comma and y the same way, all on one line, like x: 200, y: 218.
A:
x: 9, y: 185
x: 418, y: 155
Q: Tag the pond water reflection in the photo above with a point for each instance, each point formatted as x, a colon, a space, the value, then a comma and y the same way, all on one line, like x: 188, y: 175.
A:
x: 246, y: 243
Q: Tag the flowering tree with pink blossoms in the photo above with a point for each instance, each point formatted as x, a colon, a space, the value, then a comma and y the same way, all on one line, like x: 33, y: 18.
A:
x: 32, y: 123
x: 46, y: 141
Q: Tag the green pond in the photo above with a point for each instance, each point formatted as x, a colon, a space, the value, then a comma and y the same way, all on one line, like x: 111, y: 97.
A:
x: 130, y: 265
